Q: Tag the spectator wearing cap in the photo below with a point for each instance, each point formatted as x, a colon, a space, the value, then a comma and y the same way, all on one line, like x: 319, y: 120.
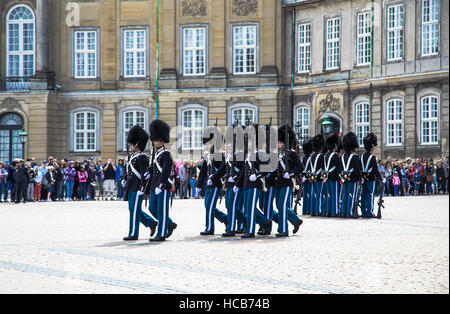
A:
x: 82, y: 180
x: 10, y: 184
x: 21, y: 181
x: 3, y: 182
x: 70, y: 174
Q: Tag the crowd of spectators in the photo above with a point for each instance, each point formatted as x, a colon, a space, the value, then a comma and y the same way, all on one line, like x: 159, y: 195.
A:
x: 64, y: 180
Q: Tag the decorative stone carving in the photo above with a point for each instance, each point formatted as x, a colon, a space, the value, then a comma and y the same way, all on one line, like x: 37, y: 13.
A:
x: 11, y: 104
x: 245, y: 7
x: 193, y: 8
x: 330, y: 104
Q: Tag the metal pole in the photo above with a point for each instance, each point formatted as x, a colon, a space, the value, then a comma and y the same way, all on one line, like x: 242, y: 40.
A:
x: 157, y: 60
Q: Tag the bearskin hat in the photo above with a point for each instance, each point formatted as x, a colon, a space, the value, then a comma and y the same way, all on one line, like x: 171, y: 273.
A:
x: 332, y: 141
x: 159, y: 131
x: 138, y: 136
x: 350, y: 142
x: 285, y: 132
x: 370, y: 141
x: 307, y: 147
x: 317, y: 143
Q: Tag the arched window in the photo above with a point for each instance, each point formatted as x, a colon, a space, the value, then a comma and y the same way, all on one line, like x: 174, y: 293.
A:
x: 302, y: 122
x: 429, y: 119
x: 362, y: 121
x: 193, y: 121
x: 243, y: 114
x: 131, y: 118
x: 85, y: 130
x: 394, y: 122
x: 10, y: 146
x: 20, y: 51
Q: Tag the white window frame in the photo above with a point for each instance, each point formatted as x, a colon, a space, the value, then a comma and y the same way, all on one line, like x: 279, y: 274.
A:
x: 21, y: 53
x: 134, y: 50
x: 85, y: 131
x: 86, y: 52
x: 126, y: 129
x: 246, y: 48
x: 304, y: 48
x: 395, y: 32
x: 305, y: 128
x: 332, y: 43
x: 395, y: 123
x: 196, y: 70
x: 243, y: 108
x: 192, y: 109
x: 427, y: 27
x: 363, y: 38
x: 361, y: 120
x: 429, y: 120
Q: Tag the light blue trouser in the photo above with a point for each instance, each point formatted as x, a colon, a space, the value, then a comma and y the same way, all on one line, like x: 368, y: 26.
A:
x: 367, y: 198
x: 254, y: 216
x: 211, y: 197
x: 316, y: 198
x: 307, y: 193
x: 136, y: 214
x: 193, y: 183
x: 283, y: 200
x: 332, y: 197
x: 349, y: 198
x: 69, y: 188
x: 233, y: 203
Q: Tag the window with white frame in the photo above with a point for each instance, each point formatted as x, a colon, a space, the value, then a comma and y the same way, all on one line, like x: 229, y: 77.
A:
x: 429, y: 127
x: 394, y: 122
x: 192, y: 128
x: 244, y: 49
x: 364, y: 38
x: 130, y: 119
x: 304, y: 48
x: 85, y: 131
x: 85, y: 54
x: 243, y: 116
x: 20, y: 53
x: 135, y: 53
x: 302, y: 120
x: 362, y: 121
x: 333, y: 50
x: 194, y: 51
x: 395, y: 32
x: 430, y: 27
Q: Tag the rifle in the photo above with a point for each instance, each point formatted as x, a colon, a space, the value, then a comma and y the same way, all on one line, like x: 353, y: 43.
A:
x: 358, y: 202
x: 380, y: 201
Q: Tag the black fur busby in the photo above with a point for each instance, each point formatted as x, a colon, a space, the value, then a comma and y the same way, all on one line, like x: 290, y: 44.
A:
x: 350, y: 142
x: 370, y: 141
x: 285, y: 132
x: 332, y: 141
x: 318, y: 143
x: 138, y: 136
x: 159, y: 131
x: 307, y: 147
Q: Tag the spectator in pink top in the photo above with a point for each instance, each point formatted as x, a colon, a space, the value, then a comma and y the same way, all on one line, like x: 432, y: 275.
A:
x: 82, y: 181
x: 396, y: 183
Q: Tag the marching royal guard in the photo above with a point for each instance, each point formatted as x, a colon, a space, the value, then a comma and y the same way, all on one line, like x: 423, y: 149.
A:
x: 289, y: 165
x: 330, y: 175
x: 233, y: 200
x: 251, y: 179
x: 324, y: 186
x: 350, y: 175
x: 369, y: 174
x: 210, y: 178
x: 135, y: 183
x: 307, y: 189
x: 316, y: 167
x: 161, y: 183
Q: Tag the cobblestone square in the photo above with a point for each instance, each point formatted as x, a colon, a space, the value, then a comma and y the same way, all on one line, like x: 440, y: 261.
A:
x: 77, y: 248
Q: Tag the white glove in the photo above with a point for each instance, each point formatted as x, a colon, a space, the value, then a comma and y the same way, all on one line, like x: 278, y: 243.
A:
x: 253, y: 178
x: 198, y: 190
x: 139, y: 193
x: 124, y: 183
x: 147, y: 176
x: 231, y: 180
x: 384, y: 180
x: 235, y: 189
x: 209, y: 182
x: 303, y: 180
x: 286, y: 175
x: 210, y: 176
x: 157, y: 191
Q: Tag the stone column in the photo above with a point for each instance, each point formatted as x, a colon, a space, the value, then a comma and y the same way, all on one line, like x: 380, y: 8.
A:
x: 41, y: 35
